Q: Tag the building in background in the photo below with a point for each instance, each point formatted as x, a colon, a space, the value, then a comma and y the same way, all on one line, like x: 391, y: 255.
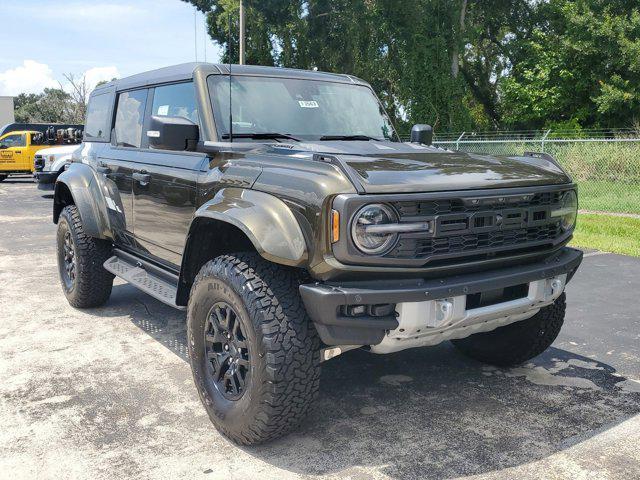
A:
x: 6, y: 110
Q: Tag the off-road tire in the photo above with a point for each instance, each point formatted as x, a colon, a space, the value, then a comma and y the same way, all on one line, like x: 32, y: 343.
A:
x: 92, y: 284
x: 518, y: 342
x: 283, y: 345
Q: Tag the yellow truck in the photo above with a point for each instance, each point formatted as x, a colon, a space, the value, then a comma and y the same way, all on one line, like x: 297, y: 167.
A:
x: 18, y: 147
x: 17, y: 150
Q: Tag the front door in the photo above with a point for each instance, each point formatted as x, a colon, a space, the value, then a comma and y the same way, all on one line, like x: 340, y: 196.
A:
x: 164, y: 182
x: 13, y: 148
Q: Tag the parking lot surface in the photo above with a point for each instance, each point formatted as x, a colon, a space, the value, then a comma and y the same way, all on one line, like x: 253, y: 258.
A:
x: 107, y: 392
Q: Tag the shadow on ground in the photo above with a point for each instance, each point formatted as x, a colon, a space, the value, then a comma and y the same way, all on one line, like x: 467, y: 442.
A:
x: 427, y: 412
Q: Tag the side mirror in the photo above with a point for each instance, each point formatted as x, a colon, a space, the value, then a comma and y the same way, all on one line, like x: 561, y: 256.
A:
x: 172, y: 133
x: 421, y: 133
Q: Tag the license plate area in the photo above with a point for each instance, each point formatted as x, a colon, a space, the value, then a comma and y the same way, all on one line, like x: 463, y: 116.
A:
x: 499, y: 295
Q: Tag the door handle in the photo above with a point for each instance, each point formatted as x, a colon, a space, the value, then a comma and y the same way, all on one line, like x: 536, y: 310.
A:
x: 142, y: 177
x: 18, y: 151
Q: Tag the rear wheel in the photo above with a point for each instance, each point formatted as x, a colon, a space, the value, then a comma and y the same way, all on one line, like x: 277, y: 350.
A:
x: 84, y: 280
x: 254, y: 352
x: 518, y: 342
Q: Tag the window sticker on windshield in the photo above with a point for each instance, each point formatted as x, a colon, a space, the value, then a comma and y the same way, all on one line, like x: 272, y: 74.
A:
x: 308, y: 103
x: 163, y: 110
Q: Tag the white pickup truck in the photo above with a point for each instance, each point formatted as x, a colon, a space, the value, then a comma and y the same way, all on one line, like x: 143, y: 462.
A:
x: 51, y: 162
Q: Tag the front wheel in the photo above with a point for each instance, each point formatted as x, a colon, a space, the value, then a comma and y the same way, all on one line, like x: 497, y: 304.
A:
x: 518, y: 342
x: 84, y: 280
x: 253, y: 350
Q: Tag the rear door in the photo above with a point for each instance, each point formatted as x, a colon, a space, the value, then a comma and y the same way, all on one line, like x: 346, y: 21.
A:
x: 164, y: 182
x: 117, y: 161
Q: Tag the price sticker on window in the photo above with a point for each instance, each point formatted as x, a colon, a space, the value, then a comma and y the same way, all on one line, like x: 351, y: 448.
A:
x: 308, y: 103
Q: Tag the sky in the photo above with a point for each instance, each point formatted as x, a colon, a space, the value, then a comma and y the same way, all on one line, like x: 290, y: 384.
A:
x: 41, y: 40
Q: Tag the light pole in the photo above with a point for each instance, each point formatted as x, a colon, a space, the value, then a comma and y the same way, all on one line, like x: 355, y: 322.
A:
x: 241, y: 32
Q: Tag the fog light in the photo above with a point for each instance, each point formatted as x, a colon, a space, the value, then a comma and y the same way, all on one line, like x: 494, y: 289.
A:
x: 355, y: 310
x: 382, y: 310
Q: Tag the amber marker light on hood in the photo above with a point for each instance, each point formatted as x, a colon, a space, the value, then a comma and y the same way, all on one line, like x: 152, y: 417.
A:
x: 335, y: 226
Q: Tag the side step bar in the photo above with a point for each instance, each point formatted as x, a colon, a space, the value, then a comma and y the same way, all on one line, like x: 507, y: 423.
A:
x: 152, y: 280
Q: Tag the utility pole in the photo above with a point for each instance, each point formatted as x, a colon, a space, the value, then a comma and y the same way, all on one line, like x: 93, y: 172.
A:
x: 241, y: 32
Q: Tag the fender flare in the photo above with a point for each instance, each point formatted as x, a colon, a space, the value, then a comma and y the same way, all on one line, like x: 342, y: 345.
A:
x: 266, y: 220
x: 80, y: 181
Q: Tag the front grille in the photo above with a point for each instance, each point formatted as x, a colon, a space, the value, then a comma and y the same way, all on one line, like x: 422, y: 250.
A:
x: 468, y: 226
x: 458, y: 205
x: 38, y: 163
x: 423, y: 248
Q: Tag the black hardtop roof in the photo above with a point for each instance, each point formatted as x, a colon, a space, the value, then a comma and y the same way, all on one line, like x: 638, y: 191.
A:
x: 185, y: 71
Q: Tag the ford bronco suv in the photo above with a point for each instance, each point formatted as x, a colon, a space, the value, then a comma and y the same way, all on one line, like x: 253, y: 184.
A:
x: 281, y: 210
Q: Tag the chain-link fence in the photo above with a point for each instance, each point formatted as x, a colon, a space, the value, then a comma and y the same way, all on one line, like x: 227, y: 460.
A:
x: 605, y: 164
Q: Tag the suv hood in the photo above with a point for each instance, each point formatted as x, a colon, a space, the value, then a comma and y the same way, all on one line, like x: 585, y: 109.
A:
x: 392, y: 167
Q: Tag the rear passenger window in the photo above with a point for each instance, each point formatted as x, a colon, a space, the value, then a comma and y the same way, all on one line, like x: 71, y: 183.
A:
x: 98, y: 121
x: 176, y: 100
x: 130, y: 117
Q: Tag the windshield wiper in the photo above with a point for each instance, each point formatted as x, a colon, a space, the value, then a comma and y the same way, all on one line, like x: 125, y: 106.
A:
x: 259, y: 136
x: 346, y: 137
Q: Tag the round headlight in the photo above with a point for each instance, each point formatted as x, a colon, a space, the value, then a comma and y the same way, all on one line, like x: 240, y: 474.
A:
x: 366, y: 236
x: 568, y: 210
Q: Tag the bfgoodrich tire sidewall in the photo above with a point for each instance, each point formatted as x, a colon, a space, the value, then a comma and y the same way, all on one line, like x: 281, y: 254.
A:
x: 223, y: 413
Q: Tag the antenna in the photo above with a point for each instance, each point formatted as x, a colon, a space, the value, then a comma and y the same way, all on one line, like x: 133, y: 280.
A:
x: 229, y: 54
x: 195, y: 33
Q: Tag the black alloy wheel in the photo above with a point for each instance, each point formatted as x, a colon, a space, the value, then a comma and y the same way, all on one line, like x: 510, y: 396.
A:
x: 69, y: 260
x: 227, y: 351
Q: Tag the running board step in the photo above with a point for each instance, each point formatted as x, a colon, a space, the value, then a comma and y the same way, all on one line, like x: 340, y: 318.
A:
x: 150, y: 283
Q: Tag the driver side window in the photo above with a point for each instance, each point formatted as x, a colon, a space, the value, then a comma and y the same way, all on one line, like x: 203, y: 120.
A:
x: 177, y: 100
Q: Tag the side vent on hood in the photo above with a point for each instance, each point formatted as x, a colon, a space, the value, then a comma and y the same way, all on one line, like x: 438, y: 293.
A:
x: 348, y: 172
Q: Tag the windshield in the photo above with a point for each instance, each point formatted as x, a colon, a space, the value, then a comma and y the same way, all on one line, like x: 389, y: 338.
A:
x: 302, y: 109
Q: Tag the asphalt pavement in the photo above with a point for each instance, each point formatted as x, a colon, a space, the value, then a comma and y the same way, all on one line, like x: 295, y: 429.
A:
x: 107, y: 392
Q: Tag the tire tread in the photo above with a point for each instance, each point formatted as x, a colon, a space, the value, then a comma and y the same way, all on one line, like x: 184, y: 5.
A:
x: 93, y: 283
x: 289, y: 341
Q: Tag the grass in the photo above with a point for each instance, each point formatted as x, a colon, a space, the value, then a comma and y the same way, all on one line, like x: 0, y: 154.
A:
x: 608, y: 233
x: 609, y: 196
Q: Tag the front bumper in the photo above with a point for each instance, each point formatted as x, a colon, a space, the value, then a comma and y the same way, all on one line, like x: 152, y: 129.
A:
x: 325, y: 301
x: 46, y: 180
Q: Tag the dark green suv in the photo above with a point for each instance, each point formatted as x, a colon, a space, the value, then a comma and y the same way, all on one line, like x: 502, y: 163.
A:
x: 282, y: 211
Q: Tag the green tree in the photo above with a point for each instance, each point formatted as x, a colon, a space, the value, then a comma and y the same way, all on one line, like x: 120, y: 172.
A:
x: 54, y: 105
x: 459, y: 64
x: 579, y: 64
x: 48, y: 107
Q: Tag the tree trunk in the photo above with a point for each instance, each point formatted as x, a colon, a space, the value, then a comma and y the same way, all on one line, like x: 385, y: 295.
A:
x: 455, y: 53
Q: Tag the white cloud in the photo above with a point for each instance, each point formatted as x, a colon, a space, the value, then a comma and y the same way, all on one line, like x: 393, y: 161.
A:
x: 34, y: 77
x: 30, y: 77
x: 98, y: 74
